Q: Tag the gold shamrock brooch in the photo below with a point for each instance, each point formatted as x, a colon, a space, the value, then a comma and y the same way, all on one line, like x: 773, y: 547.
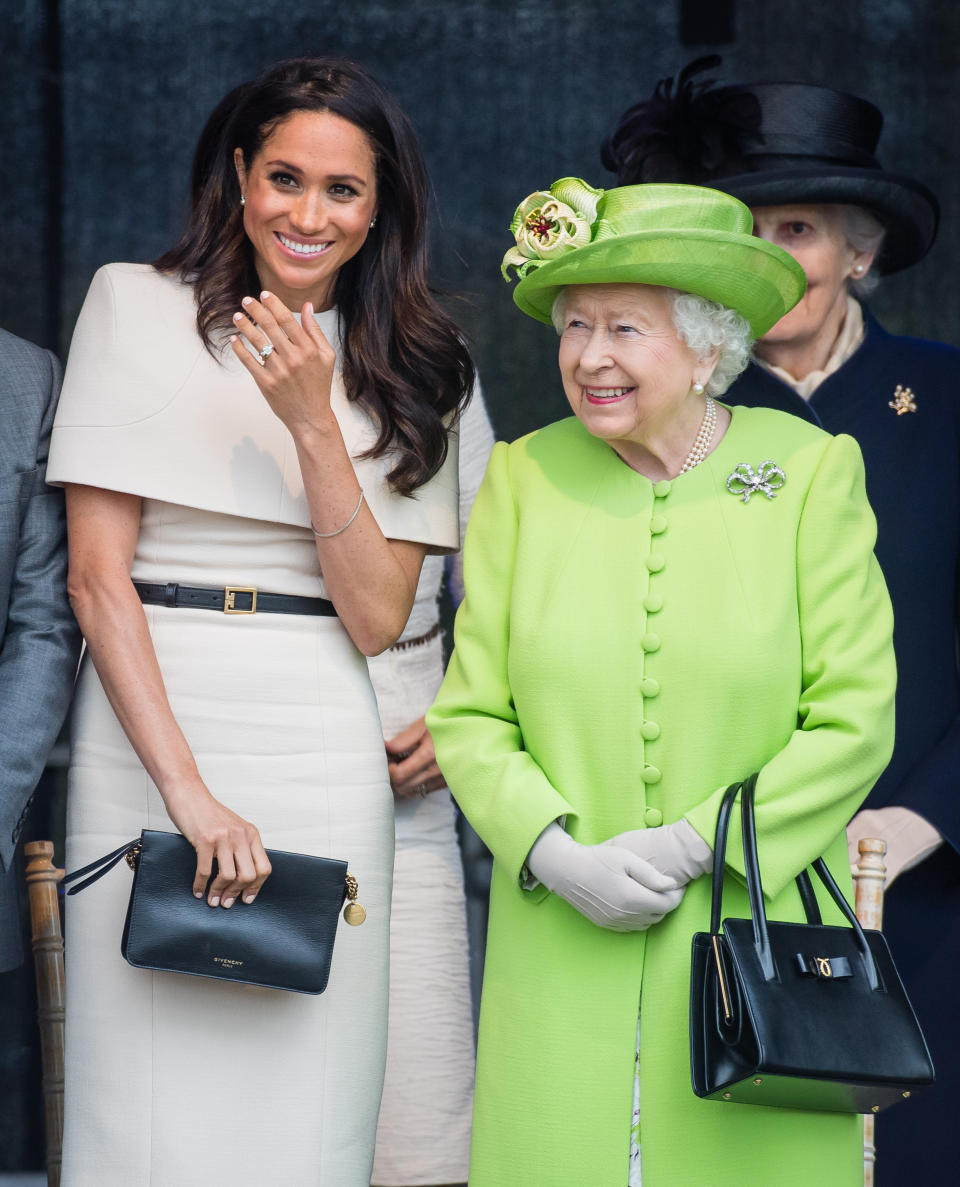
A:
x: 902, y: 401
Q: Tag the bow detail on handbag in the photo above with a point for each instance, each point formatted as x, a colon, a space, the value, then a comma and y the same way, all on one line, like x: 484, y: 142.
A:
x: 831, y: 968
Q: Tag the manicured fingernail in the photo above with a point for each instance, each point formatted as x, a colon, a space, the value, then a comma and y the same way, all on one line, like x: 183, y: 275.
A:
x: 215, y: 901
x: 198, y: 894
x: 228, y: 902
x: 248, y: 898
x: 233, y: 338
x: 238, y: 317
x: 247, y: 301
x: 310, y: 308
x: 265, y: 295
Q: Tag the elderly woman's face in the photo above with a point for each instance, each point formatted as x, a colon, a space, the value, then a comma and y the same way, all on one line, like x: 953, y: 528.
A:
x: 623, y: 365
x: 310, y: 193
x: 814, y: 236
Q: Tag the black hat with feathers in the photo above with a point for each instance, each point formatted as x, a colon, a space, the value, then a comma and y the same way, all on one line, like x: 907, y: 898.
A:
x: 772, y: 144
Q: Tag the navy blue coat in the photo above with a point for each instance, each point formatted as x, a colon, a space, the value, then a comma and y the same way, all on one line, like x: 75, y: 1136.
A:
x: 913, y: 482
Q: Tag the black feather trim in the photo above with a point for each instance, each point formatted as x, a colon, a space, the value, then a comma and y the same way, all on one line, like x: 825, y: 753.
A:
x: 685, y: 132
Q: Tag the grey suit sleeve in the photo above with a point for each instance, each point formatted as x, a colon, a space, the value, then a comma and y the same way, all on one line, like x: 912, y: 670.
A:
x: 41, y: 640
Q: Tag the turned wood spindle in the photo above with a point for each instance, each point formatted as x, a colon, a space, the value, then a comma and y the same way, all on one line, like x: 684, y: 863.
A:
x: 42, y: 878
x: 869, y: 875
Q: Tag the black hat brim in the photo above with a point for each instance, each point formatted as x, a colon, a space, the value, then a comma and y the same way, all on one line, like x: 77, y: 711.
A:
x: 907, y: 209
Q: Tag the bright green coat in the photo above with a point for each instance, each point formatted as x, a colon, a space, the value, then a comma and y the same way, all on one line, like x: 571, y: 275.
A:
x: 625, y: 650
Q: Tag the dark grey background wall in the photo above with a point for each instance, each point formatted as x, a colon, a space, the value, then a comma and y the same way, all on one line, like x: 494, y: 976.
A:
x: 101, y: 101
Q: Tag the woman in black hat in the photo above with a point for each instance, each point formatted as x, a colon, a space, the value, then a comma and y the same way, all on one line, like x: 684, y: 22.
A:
x: 803, y: 158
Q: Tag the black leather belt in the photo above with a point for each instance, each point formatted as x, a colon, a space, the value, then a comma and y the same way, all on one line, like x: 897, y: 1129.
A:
x: 235, y: 599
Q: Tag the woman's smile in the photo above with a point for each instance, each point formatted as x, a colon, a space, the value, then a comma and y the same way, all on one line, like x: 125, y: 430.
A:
x: 606, y: 395
x: 299, y: 246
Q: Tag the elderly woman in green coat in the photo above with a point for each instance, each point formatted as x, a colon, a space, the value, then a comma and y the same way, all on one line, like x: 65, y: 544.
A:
x: 663, y: 595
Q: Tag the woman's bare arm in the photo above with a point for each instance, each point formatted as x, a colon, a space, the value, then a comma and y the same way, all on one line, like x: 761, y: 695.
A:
x: 103, y: 527
x: 372, y: 581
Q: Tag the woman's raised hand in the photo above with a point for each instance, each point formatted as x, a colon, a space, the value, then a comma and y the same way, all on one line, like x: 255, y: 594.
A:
x: 217, y: 833
x: 291, y: 363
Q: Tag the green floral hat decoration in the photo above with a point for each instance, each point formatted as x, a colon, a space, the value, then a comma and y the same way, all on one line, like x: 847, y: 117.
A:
x: 684, y: 237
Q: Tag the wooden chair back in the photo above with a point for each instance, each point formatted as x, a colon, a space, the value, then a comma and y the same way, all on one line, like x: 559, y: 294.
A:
x: 43, y: 879
x: 869, y: 875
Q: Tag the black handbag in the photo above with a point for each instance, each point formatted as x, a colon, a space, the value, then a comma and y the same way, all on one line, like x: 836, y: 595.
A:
x: 797, y: 1015
x: 283, y: 940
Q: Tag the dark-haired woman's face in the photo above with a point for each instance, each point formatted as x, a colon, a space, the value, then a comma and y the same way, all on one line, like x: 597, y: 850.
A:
x: 311, y: 193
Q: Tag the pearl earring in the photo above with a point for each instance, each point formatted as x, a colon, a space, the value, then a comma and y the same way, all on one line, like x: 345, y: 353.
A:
x: 858, y: 270
x: 698, y: 389
x: 243, y: 200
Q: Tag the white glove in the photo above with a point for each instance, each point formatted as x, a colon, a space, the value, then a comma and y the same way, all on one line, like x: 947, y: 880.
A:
x: 608, y: 885
x: 910, y: 838
x: 676, y: 850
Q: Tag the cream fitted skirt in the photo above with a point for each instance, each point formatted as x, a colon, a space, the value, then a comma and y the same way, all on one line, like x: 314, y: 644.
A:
x: 176, y: 1081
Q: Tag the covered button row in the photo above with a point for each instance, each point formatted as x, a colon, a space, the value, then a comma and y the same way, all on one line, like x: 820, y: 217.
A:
x: 650, y: 641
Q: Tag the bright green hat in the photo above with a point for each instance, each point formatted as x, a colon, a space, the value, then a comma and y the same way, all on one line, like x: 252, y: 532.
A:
x: 683, y: 237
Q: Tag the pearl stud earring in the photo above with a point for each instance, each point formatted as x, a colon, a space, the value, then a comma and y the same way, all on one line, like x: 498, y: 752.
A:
x: 243, y: 200
x: 698, y: 389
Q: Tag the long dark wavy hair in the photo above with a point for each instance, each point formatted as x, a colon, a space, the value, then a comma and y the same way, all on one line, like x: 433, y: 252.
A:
x: 403, y: 358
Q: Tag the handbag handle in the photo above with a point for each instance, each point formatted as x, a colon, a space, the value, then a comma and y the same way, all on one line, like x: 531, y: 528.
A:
x: 758, y: 912
x: 103, y: 865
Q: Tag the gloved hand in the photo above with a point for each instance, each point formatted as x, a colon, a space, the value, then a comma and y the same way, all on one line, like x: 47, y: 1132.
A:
x: 608, y: 885
x: 910, y: 838
x: 676, y: 850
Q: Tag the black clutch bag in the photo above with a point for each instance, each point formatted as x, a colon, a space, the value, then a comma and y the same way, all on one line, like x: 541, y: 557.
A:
x: 797, y: 1015
x: 283, y: 940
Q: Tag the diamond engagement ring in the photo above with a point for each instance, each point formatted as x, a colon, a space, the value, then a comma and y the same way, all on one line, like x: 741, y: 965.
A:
x: 265, y: 353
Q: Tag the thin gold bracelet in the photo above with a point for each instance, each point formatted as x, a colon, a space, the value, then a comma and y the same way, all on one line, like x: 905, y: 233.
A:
x: 327, y: 535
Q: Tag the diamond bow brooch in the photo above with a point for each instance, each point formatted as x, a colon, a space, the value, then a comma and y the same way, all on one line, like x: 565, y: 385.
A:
x: 768, y: 479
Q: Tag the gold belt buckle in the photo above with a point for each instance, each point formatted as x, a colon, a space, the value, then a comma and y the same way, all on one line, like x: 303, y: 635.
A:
x: 229, y: 599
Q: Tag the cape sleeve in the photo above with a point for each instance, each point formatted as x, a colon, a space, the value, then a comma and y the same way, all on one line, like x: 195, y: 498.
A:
x: 808, y: 791
x: 146, y: 409
x: 428, y: 516
x: 129, y: 359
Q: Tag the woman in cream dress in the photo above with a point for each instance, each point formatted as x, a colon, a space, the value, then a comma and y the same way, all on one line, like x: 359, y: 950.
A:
x: 430, y: 1048
x: 286, y: 457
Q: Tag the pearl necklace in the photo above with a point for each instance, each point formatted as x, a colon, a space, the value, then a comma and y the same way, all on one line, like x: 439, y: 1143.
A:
x: 701, y: 443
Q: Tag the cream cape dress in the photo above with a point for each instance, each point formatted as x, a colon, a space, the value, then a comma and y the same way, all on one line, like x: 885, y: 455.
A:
x: 423, y: 1136
x: 172, y: 1080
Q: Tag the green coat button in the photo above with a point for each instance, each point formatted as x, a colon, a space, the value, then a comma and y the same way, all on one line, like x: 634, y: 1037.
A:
x: 650, y: 641
x: 653, y: 603
x: 650, y: 774
x: 650, y: 731
x: 649, y: 687
x: 652, y: 817
x: 655, y: 562
x: 662, y: 489
x: 658, y: 524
